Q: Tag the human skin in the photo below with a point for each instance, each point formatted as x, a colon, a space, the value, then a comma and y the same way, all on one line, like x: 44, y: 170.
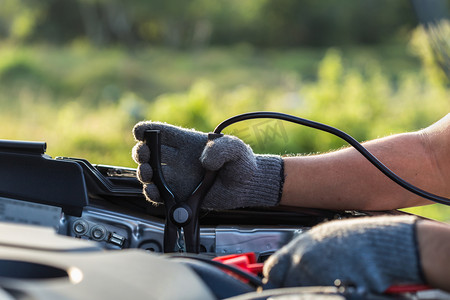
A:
x: 345, y: 180
x: 434, y: 237
x: 434, y: 246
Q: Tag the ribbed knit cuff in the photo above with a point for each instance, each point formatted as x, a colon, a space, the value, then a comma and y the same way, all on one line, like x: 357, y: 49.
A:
x: 374, y: 253
x: 266, y: 184
x: 394, y: 258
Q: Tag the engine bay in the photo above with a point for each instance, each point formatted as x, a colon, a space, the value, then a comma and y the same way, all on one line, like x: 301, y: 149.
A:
x: 105, y: 204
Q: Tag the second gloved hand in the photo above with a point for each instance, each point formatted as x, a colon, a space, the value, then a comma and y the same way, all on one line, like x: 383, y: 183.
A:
x: 243, y: 180
x: 371, y: 254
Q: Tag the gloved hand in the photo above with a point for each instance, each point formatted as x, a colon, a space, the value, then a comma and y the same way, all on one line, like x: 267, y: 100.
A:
x: 372, y: 253
x: 243, y: 180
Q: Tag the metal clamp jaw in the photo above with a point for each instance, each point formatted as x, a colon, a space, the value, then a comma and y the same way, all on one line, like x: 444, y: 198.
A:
x: 179, y: 213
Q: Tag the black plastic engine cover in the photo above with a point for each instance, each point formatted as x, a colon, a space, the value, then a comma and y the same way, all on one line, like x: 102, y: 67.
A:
x: 26, y: 173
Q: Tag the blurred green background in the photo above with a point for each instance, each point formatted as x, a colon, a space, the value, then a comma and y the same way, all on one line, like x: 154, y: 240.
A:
x: 79, y: 74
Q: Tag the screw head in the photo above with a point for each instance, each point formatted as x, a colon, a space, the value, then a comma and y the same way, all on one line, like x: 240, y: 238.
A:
x: 80, y: 227
x: 98, y: 232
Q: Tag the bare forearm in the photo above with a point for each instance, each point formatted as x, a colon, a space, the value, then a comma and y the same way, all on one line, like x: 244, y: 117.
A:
x: 345, y: 180
x: 434, y: 246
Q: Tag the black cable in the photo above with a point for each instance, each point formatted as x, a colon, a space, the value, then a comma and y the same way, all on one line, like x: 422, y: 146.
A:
x: 342, y: 135
x: 252, y: 280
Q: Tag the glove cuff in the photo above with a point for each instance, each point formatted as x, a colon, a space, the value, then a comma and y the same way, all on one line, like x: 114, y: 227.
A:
x: 396, y: 254
x: 388, y: 251
x: 267, y: 183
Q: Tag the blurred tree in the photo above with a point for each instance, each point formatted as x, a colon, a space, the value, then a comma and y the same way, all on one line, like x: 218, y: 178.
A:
x: 175, y: 23
x: 331, y: 22
x: 196, y: 23
x: 18, y: 19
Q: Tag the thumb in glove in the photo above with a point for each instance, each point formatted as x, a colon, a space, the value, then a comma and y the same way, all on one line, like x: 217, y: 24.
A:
x: 244, y: 179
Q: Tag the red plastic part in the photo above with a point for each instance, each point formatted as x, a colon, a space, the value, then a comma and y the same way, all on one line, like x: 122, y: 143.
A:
x: 407, y: 288
x: 245, y: 261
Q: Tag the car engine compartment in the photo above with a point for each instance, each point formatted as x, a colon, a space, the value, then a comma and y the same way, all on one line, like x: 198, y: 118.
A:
x: 71, y: 218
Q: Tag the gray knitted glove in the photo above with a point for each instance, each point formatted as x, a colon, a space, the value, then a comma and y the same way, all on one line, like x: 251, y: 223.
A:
x: 244, y: 179
x: 371, y: 253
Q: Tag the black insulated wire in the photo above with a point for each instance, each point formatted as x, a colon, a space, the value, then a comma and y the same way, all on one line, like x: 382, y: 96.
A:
x: 354, y: 143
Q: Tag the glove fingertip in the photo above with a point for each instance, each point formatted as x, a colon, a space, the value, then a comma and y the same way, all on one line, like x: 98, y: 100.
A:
x: 151, y: 193
x: 144, y: 173
x: 141, y: 153
x: 140, y: 128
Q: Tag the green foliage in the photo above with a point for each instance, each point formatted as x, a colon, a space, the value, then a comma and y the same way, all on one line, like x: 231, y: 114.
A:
x: 18, y: 18
x: 354, y: 100
x: 434, y: 211
x: 292, y: 22
x: 199, y: 23
x: 84, y: 101
x: 432, y: 45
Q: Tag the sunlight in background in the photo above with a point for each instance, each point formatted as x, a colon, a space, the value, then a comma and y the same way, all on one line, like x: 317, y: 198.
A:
x: 80, y: 75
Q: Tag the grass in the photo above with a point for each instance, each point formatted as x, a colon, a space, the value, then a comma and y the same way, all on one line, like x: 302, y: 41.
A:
x: 84, y: 101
